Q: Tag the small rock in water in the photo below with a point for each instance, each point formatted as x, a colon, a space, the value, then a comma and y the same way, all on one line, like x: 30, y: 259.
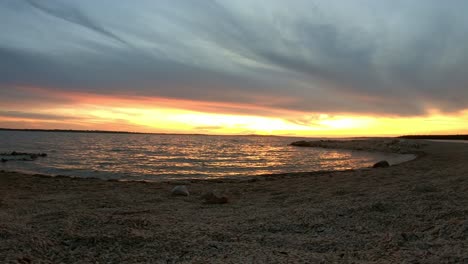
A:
x: 301, y: 143
x: 381, y: 164
x: 180, y: 190
x: 211, y: 198
x: 23, y: 156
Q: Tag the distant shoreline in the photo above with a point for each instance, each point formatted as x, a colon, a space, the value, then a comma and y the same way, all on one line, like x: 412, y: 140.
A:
x: 73, y: 131
x: 128, y: 132
x: 444, y: 137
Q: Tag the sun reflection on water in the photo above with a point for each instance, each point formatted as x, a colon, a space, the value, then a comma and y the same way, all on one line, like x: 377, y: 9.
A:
x: 155, y: 157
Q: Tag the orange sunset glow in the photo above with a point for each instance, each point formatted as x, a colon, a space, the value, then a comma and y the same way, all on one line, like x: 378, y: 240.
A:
x: 165, y: 115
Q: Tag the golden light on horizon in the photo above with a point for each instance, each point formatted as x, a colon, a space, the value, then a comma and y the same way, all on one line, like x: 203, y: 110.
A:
x: 141, y: 114
x: 173, y: 120
x: 347, y: 122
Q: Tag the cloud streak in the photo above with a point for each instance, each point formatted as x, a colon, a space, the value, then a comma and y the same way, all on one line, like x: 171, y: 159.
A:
x: 359, y: 57
x: 32, y: 115
x: 73, y: 15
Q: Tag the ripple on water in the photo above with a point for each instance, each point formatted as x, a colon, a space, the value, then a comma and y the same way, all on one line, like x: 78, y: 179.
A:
x: 155, y: 157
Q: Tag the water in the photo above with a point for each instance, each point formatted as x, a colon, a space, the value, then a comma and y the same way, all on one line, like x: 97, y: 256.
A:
x: 157, y: 157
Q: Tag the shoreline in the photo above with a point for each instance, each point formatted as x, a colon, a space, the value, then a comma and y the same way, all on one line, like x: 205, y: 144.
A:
x: 337, y: 144
x: 413, y: 211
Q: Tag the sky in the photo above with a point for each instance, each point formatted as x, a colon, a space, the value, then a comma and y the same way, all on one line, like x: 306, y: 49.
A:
x: 297, y: 67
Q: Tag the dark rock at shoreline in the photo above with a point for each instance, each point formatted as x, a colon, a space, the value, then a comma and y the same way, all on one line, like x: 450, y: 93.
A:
x: 301, y: 143
x: 381, y: 164
x: 14, y: 153
x: 378, y: 145
x: 23, y: 156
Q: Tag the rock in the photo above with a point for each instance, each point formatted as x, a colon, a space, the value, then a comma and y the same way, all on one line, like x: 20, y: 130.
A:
x: 23, y: 156
x: 32, y: 157
x: 381, y: 164
x: 180, y: 190
x: 301, y: 143
x: 211, y: 198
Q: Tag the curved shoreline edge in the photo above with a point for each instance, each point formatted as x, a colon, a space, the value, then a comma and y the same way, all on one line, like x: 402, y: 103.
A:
x: 412, y: 212
x: 390, y: 145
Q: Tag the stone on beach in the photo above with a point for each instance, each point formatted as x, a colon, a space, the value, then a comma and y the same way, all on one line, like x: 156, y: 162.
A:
x: 381, y: 164
x: 181, y: 190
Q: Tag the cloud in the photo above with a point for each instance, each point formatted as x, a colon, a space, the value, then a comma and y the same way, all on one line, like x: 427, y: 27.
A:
x: 30, y: 115
x: 323, y: 56
x: 73, y: 15
x: 208, y: 128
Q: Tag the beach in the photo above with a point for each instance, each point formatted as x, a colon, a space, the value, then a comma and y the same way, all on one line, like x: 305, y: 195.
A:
x: 413, y: 212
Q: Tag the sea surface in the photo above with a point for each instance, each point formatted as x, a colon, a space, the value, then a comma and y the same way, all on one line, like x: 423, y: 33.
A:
x: 162, y: 157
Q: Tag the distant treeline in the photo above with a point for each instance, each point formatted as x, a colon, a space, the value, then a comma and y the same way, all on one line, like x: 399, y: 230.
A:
x: 444, y: 137
x: 117, y: 132
x: 69, y: 131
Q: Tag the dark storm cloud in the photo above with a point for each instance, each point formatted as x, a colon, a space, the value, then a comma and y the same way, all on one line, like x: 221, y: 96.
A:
x: 29, y: 115
x: 398, y: 58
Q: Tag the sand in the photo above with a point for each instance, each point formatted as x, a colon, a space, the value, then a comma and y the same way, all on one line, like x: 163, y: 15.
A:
x: 415, y: 212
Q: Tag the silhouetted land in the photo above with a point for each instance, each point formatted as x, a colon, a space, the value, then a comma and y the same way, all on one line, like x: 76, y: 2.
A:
x: 73, y: 131
x: 119, y: 132
x: 443, y: 137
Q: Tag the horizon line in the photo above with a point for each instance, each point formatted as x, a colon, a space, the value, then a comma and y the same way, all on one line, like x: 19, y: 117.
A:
x: 97, y: 131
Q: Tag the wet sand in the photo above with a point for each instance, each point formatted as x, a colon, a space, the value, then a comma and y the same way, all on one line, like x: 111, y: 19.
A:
x: 415, y: 212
